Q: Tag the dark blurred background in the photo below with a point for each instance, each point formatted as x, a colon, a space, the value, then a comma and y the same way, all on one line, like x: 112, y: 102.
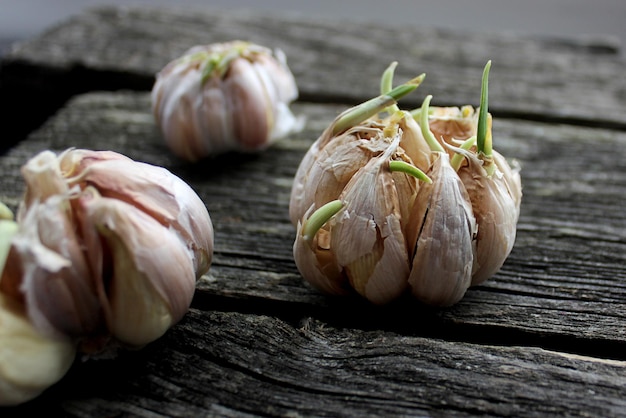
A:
x: 20, y: 19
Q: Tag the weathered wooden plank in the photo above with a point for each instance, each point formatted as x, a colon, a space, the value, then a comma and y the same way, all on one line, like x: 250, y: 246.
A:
x: 563, y: 286
x: 233, y: 364
x: 542, y: 78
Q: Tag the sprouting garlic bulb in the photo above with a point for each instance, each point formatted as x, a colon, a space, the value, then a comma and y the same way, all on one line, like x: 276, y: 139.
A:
x: 29, y: 361
x: 221, y: 97
x: 355, y: 137
x: 385, y: 206
x: 106, y: 246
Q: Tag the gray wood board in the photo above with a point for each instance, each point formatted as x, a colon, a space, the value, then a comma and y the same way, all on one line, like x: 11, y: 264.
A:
x: 234, y: 364
x: 541, y: 78
x: 563, y: 286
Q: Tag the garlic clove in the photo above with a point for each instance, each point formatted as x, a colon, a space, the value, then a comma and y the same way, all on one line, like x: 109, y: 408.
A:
x: 366, y: 236
x: 442, y: 264
x: 413, y: 142
x: 29, y: 362
x: 148, y: 280
x: 441, y: 230
x: 495, y: 196
x: 312, y: 253
x: 342, y: 149
x: 496, y: 216
x: 246, y: 91
x: 160, y: 194
x: 334, y: 166
x: 50, y: 273
x: 43, y: 178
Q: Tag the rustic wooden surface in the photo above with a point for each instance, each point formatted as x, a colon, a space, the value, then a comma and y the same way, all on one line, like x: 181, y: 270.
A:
x: 545, y: 336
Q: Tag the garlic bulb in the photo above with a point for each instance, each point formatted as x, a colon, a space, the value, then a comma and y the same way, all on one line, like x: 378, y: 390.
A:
x: 29, y: 361
x: 363, y: 247
x: 231, y: 96
x: 347, y: 145
x: 106, y: 246
x: 388, y: 202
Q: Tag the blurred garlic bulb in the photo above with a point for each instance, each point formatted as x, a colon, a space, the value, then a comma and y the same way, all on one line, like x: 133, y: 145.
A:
x: 106, y: 246
x: 365, y: 222
x: 221, y: 97
x: 29, y: 361
x: 8, y: 228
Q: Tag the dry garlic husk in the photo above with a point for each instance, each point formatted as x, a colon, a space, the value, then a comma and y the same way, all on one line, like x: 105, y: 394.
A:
x: 347, y: 145
x: 496, y: 211
x: 106, y: 246
x: 363, y: 247
x: 29, y: 361
x: 365, y: 237
x: 221, y: 97
x: 493, y: 186
x: 442, y: 217
x: 378, y: 192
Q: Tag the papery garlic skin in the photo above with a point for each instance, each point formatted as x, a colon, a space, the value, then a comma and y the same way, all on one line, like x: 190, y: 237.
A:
x: 452, y: 123
x: 106, y: 246
x: 221, y: 97
x: 332, y: 165
x: 332, y: 160
x: 511, y: 177
x: 363, y: 246
x: 154, y: 190
x: 54, y: 277
x: 151, y: 282
x: 496, y: 214
x: 367, y: 235
x: 29, y: 362
x: 441, y: 270
x: 392, y: 235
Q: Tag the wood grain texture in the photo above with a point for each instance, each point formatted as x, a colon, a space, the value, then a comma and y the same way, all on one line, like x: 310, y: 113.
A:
x: 547, y: 78
x: 234, y: 364
x: 546, y: 336
x: 565, y: 271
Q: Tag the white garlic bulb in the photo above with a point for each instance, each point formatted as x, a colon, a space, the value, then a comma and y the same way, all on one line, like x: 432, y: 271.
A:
x: 366, y: 224
x: 106, y: 246
x: 221, y: 97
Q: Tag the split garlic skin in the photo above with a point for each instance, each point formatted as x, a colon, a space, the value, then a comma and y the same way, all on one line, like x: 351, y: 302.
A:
x: 231, y: 96
x: 49, y: 270
x: 332, y: 166
x: 389, y: 202
x: 29, y: 361
x: 367, y: 234
x: 152, y: 189
x: 106, y: 246
x: 441, y: 270
x: 151, y: 279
